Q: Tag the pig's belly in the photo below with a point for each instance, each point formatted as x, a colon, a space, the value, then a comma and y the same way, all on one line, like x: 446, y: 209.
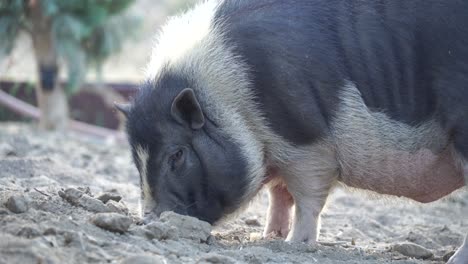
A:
x: 422, y: 176
x: 380, y: 154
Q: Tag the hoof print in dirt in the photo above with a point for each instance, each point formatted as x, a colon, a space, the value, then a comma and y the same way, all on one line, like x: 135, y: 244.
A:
x: 156, y: 230
x: 107, y: 196
x: 81, y: 198
x: 17, y: 204
x: 413, y: 250
x: 187, y: 226
x: 112, y: 221
x: 215, y: 259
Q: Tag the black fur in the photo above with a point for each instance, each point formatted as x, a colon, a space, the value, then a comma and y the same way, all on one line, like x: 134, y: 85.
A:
x: 409, y: 59
x: 213, y: 176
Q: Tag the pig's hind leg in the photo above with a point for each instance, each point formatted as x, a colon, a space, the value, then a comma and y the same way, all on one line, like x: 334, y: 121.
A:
x: 279, y: 211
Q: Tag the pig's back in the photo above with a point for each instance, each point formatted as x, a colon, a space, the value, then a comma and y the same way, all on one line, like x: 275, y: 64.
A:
x: 301, y: 53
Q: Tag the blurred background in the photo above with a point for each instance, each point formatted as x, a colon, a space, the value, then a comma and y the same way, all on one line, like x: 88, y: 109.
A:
x: 75, y: 58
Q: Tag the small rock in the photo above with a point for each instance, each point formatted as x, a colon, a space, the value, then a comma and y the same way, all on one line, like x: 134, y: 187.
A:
x: 112, y: 222
x: 85, y: 190
x: 50, y: 231
x: 156, y: 230
x: 105, y: 197
x: 7, y: 150
x: 3, y: 211
x: 413, y: 250
x: 116, y: 207
x: 212, y: 258
x: 252, y: 222
x: 71, y: 195
x: 81, y: 198
x: 73, y: 239
x: 17, y: 204
x: 187, y: 226
x: 160, y: 231
x: 92, y: 204
x: 144, y: 259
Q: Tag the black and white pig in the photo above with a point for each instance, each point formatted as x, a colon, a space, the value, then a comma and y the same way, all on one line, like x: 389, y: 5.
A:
x: 299, y: 96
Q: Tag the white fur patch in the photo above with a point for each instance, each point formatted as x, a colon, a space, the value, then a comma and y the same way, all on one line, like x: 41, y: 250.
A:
x: 148, y: 202
x: 180, y: 35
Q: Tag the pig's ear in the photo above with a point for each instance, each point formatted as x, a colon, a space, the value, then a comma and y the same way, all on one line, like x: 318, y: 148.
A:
x: 186, y: 109
x: 123, y: 108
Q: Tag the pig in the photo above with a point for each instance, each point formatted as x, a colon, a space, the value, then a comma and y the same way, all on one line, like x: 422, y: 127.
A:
x: 299, y: 97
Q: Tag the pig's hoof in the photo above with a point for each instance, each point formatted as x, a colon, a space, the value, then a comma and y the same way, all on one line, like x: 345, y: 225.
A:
x: 269, y: 233
x: 302, y: 239
x: 275, y: 234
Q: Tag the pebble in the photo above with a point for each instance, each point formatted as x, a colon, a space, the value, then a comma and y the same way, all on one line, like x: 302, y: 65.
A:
x: 252, y: 222
x: 17, y: 204
x: 160, y: 231
x: 112, y: 221
x: 144, y: 259
x: 187, y: 226
x: 81, y: 198
x: 71, y: 195
x: 92, y: 204
x: 107, y: 196
x: 413, y: 250
x: 7, y: 150
x: 117, y: 207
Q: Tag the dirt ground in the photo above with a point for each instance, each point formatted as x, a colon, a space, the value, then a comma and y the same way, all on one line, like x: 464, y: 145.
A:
x: 52, y: 211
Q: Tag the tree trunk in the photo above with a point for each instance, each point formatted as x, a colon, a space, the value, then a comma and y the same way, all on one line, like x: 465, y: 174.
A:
x: 51, y: 97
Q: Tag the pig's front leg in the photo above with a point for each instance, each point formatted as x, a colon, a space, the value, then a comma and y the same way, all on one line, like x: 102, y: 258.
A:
x: 309, y: 184
x: 279, y: 211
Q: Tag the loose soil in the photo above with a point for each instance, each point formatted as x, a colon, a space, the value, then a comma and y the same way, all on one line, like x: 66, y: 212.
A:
x: 69, y: 199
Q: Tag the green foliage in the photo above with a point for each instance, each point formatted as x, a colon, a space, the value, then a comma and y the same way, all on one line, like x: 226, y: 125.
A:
x: 9, y: 28
x: 11, y: 6
x: 84, y: 31
x: 12, y: 20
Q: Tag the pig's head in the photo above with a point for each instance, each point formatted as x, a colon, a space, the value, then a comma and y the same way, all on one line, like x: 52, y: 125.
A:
x: 186, y: 163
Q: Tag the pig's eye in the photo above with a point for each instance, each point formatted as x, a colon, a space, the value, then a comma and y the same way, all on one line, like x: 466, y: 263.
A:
x: 176, y: 159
